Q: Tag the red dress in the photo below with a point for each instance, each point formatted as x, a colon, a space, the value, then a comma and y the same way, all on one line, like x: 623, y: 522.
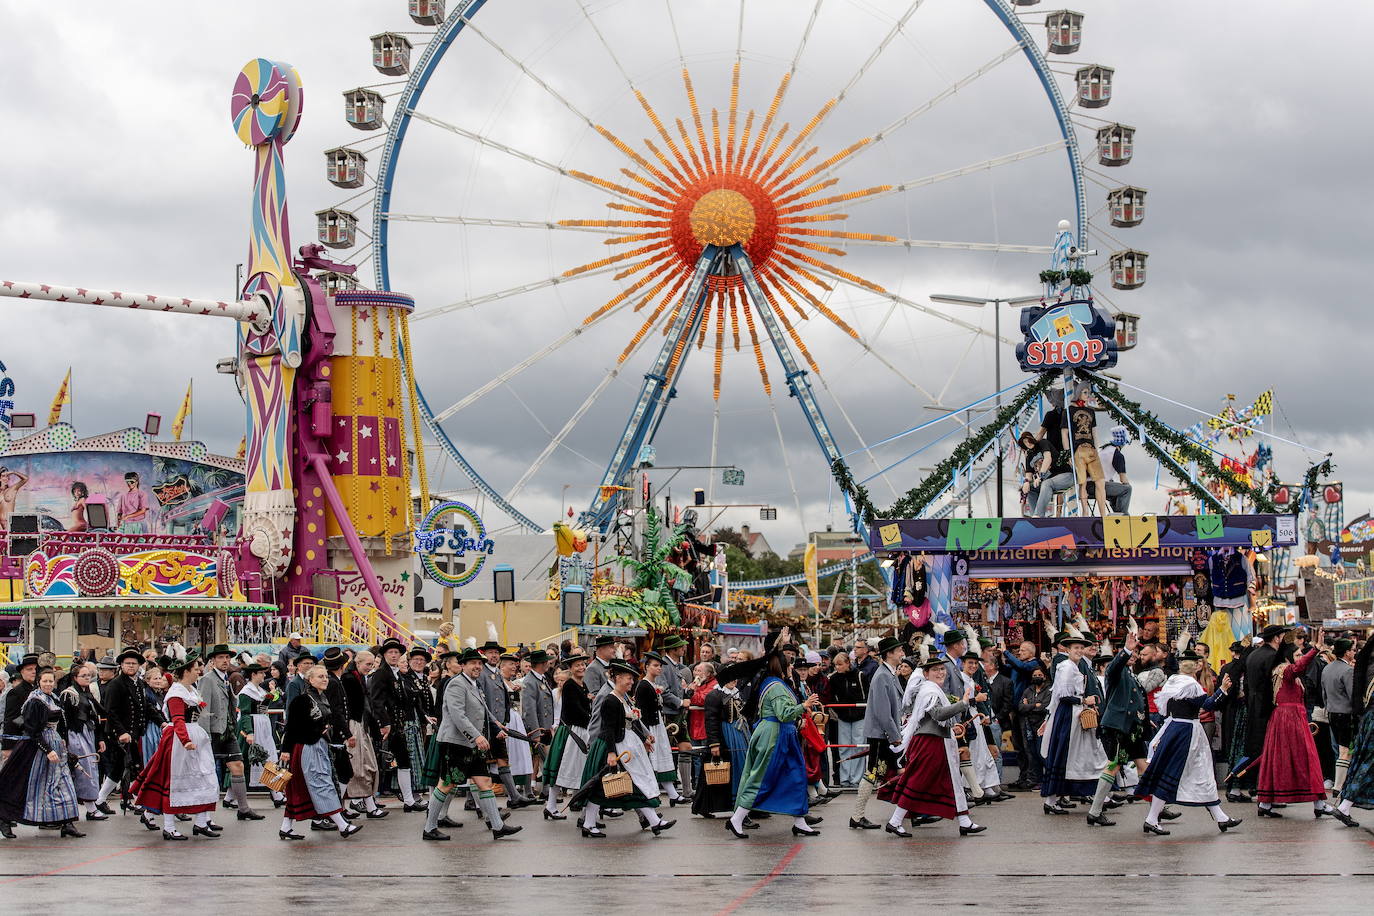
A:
x: 153, y: 788
x: 1289, y: 769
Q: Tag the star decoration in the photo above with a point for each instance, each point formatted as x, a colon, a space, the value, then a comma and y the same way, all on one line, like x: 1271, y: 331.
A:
x: 405, y: 575
x: 365, y: 432
x: 342, y: 457
x: 391, y: 460
x: 373, y: 487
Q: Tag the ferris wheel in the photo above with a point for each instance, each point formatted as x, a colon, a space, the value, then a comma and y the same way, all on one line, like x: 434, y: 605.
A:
x: 585, y: 193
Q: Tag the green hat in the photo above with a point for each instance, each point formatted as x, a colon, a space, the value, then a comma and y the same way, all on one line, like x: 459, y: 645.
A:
x: 987, y: 643
x: 653, y: 657
x: 672, y: 641
x: 538, y: 657
x: 470, y: 655
x: 617, y: 666
x: 934, y: 661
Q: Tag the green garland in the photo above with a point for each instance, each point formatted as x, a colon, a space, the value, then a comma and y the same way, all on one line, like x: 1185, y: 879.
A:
x: 1309, y: 482
x: 1125, y: 410
x: 919, y: 497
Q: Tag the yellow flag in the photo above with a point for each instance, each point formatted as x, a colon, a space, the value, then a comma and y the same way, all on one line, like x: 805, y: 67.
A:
x: 812, y: 583
x: 182, y: 413
x: 63, y: 398
x: 243, y: 447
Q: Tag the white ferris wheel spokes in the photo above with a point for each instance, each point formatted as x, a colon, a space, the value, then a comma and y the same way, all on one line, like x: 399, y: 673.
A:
x: 783, y: 223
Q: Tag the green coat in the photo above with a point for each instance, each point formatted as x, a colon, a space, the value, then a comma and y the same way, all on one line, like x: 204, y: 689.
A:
x: 779, y: 703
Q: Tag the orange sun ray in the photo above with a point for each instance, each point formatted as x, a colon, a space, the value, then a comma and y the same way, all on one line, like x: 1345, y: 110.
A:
x: 636, y: 177
x: 734, y: 316
x: 794, y: 267
x: 822, y: 166
x: 782, y: 290
x: 696, y: 115
x: 808, y: 191
x: 714, y: 296
x: 803, y: 243
x: 627, y: 292
x: 645, y: 265
x: 788, y: 220
x: 638, y: 160
x: 795, y: 164
x: 743, y: 140
x: 805, y: 132
x: 734, y: 109
x: 715, y: 139
x: 631, y: 208
x: 613, y: 259
x: 768, y: 120
x: 768, y: 155
x: 663, y: 132
x: 833, y: 270
x: 720, y: 343
x: 646, y: 236
x: 682, y: 179
x: 691, y: 150
x: 791, y: 331
x: 649, y: 322
x: 619, y: 189
x: 838, y: 198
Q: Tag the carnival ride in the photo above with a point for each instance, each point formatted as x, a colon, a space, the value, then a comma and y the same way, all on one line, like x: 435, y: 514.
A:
x: 720, y: 230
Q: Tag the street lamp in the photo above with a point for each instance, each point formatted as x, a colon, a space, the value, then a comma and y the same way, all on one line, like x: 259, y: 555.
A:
x: 979, y: 302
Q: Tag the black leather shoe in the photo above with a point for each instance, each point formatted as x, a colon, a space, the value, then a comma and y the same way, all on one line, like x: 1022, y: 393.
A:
x: 550, y: 816
x: 211, y: 825
x: 1112, y: 804
x: 674, y: 802
x: 349, y: 831
x: 1226, y: 825
x: 1341, y: 816
x: 96, y: 816
x: 325, y: 826
x: 1236, y: 798
x: 613, y: 812
x: 750, y: 825
x: 593, y: 833
x: 205, y: 832
x: 898, y: 831
x: 797, y: 831
x: 1155, y: 829
x: 1269, y: 812
x: 449, y: 823
x: 7, y: 830
x: 379, y: 813
x: 1169, y: 814
x: 862, y: 823
x: 1003, y: 796
x: 813, y: 819
x: 421, y: 806
x: 1054, y: 809
x: 739, y: 834
x: 1100, y: 820
x: 350, y: 815
x: 71, y: 831
x: 173, y: 835
x: 105, y: 809
x: 249, y: 816
x: 1067, y: 803
x: 150, y: 824
x: 278, y: 802
x: 972, y: 831
x: 662, y: 826
x: 434, y: 836
x: 229, y: 803
x: 281, y: 835
x: 507, y: 830
x: 920, y: 820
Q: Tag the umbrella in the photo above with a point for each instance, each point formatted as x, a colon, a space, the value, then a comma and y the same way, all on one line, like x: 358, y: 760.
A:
x: 581, y: 794
x: 1243, y: 767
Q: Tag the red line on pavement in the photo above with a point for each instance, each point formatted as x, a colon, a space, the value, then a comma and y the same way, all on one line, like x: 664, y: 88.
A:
x: 44, y: 874
x: 763, y: 882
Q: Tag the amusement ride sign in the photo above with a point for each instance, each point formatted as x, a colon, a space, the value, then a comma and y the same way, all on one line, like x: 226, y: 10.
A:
x: 434, y: 541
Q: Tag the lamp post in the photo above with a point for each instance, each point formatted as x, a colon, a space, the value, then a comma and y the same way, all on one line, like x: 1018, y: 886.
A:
x: 980, y: 302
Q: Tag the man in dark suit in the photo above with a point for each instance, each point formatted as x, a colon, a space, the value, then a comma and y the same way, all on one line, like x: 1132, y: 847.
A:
x: 1259, y: 689
x: 388, y: 704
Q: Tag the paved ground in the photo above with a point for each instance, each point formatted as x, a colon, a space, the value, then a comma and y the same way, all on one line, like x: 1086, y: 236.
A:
x: 1025, y: 861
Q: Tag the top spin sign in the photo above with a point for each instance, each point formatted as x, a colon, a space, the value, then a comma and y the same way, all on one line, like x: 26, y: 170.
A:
x: 1077, y: 334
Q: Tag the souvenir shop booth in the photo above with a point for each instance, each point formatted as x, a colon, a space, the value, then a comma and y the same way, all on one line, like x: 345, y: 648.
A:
x: 1028, y: 578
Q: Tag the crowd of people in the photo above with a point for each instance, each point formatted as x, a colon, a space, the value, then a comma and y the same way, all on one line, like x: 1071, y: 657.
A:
x: 588, y: 734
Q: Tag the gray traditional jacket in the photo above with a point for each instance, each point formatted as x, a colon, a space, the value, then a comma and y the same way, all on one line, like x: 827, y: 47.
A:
x: 221, y: 712
x: 465, y: 712
x: 536, y: 703
x: 882, y: 718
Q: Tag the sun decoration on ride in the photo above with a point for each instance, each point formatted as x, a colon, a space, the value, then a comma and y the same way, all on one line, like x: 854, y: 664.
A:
x: 744, y: 192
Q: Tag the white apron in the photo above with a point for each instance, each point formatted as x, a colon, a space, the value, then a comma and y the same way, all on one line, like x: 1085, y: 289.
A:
x: 262, y: 734
x: 192, y: 781
x: 573, y: 761
x: 640, y: 768
x: 1086, y: 756
x: 661, y: 757
x: 517, y: 751
x: 1197, y: 784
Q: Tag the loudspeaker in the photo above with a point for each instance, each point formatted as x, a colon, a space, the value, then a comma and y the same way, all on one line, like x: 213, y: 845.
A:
x: 152, y: 424
x: 571, y: 604
x: 23, y: 524
x: 698, y: 497
x: 503, y: 583
x: 97, y: 513
x: 325, y: 588
x: 22, y: 421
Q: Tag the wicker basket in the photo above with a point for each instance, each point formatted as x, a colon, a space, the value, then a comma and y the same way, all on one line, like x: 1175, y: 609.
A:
x: 717, y: 772
x: 617, y: 784
x: 275, y: 777
x: 1088, y: 718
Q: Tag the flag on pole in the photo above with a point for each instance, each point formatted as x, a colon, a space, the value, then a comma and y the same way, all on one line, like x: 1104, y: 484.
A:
x: 63, y: 398
x: 812, y: 583
x: 1264, y: 404
x: 182, y: 413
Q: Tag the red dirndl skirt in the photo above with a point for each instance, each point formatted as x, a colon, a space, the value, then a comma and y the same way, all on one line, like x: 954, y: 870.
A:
x: 924, y: 785
x: 153, y: 788
x: 1289, y: 769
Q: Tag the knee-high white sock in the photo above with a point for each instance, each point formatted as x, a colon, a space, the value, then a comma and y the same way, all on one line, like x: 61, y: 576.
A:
x: 1342, y: 769
x: 287, y: 824
x: 370, y: 803
x: 407, y: 791
x: 1218, y: 815
x: 590, y: 815
x: 1156, y: 806
x: 867, y: 786
x: 1104, y: 786
x: 89, y: 806
x: 898, y: 815
x: 169, y: 823
x: 339, y: 820
x: 1321, y: 805
x: 1345, y: 806
x: 202, y: 818
x: 965, y: 820
x: 651, y: 817
x: 438, y: 799
x: 801, y: 824
x: 238, y: 787
x: 551, y: 805
x: 670, y: 789
x: 106, y: 787
x: 741, y: 813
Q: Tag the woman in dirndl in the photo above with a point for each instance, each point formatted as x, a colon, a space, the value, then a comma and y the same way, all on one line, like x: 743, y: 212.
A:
x: 727, y: 739
x: 519, y: 755
x: 1074, y: 757
x: 621, y: 734
x: 311, y: 793
x: 568, y: 751
x: 647, y: 698
x: 256, y: 741
x: 155, y: 683
x: 1359, y: 781
x: 35, y: 782
x: 83, y: 749
x: 774, y: 772
x: 1180, y: 770
x: 180, y: 776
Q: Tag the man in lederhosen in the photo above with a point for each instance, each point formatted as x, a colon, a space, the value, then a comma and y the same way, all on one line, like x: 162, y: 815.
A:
x: 220, y: 719
x: 388, y: 705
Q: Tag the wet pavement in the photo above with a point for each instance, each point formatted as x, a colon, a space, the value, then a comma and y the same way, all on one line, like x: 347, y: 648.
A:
x: 1025, y: 861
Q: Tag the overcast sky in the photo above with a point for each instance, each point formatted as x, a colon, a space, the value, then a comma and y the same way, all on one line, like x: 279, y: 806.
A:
x: 122, y: 172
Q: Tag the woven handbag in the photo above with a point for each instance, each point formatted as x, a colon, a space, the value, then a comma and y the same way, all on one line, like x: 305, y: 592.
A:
x: 717, y: 772
x: 275, y: 777
x: 617, y: 784
x: 1087, y: 719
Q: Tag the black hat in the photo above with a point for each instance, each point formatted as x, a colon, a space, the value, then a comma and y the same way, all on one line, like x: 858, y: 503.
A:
x: 1342, y: 646
x: 508, y: 657
x: 1190, y: 656
x: 618, y: 666
x: 421, y: 652
x: 333, y: 658
x: 604, y: 641
x: 972, y: 657
x: 887, y: 644
x: 538, y: 657
x: 954, y: 637
x: 1274, y: 629
x: 129, y: 653
x: 653, y: 656
x: 489, y: 645
x: 1237, y: 647
x: 306, y: 657
x: 1068, y: 639
x: 390, y: 644
x: 447, y: 654
x: 789, y: 647
x: 29, y: 659
x: 216, y: 650
x: 252, y: 668
x: 470, y: 655
x: 934, y: 661
x: 738, y: 671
